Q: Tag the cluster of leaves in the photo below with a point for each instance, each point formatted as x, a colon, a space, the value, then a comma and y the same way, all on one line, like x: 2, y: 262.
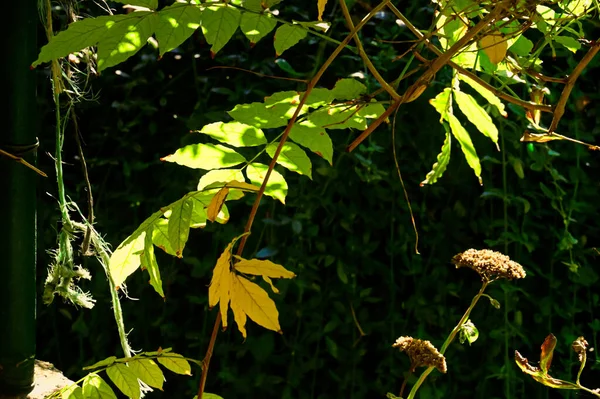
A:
x: 125, y: 373
x: 118, y: 37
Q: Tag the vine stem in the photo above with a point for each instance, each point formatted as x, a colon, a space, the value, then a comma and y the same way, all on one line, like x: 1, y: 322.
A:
x: 449, y: 340
x: 259, y: 195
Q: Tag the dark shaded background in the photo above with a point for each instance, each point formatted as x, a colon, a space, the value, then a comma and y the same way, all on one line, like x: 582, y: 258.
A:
x: 347, y: 234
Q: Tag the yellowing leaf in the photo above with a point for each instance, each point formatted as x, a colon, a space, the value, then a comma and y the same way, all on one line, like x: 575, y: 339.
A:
x: 248, y: 299
x: 148, y: 371
x: 218, y: 291
x: 216, y: 204
x: 124, y: 379
x: 495, y: 47
x: 321, y: 6
x: 126, y: 259
x: 220, y: 175
x: 95, y: 387
x: 265, y: 268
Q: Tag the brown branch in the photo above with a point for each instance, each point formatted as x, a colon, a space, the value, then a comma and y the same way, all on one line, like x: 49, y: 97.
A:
x: 564, y: 96
x: 253, y: 211
x: 22, y: 162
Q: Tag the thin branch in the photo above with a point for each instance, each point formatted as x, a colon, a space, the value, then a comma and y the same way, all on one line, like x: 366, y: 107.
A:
x: 254, y: 210
x: 262, y: 75
x: 564, y: 96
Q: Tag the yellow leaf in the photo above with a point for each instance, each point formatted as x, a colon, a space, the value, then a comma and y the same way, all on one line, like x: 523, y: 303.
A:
x: 248, y: 299
x: 494, y: 46
x: 221, y: 276
x: 216, y: 204
x: 264, y: 268
x: 321, y: 6
x: 268, y: 281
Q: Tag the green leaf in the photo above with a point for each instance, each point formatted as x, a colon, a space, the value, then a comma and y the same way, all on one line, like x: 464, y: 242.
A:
x: 314, y: 138
x: 485, y: 93
x: 257, y: 26
x: 176, y: 363
x: 321, y: 26
x: 85, y: 33
x: 340, y: 116
x: 466, y: 145
x: 276, y: 186
x: 258, y: 115
x: 476, y: 115
x: 372, y: 110
x: 219, y: 23
x: 442, y: 103
x: 147, y: 371
x: 253, y: 5
x: 576, y: 7
x: 348, y: 89
x: 94, y: 387
x: 160, y: 236
x: 148, y: 262
x: 287, y: 36
x: 106, y: 362
x: 318, y: 97
x: 72, y: 392
x: 569, y: 42
x: 443, y: 159
x: 124, y: 379
x: 151, y: 4
x: 179, y: 225
x: 522, y: 46
x: 205, y: 156
x: 221, y: 175
x: 468, y: 333
x: 292, y: 157
x: 285, y: 103
x: 235, y: 133
x: 125, y: 39
x: 126, y: 259
x: 177, y: 22
x: 198, y: 217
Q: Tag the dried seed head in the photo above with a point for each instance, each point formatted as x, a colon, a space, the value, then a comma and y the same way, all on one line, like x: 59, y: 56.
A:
x: 421, y: 353
x: 490, y: 265
x: 580, y: 346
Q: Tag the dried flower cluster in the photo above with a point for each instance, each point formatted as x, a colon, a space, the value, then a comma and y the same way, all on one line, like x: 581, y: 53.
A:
x: 489, y: 264
x: 421, y: 353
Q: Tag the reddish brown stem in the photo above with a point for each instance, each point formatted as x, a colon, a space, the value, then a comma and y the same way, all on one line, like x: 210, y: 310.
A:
x: 253, y: 211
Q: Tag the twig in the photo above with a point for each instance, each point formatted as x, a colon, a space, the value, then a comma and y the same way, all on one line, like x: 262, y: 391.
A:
x: 23, y: 162
x: 262, y: 75
x: 253, y: 211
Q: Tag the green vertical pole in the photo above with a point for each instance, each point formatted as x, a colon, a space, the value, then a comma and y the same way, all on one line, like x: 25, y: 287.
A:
x: 18, y: 198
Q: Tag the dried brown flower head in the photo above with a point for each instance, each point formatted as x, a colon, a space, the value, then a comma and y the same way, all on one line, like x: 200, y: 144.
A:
x: 490, y: 265
x: 580, y: 346
x: 421, y: 353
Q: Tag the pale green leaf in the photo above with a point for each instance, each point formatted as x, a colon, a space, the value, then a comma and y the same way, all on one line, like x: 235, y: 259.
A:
x: 569, y: 42
x: 94, y: 387
x: 147, y: 371
x: 284, y: 103
x: 124, y: 379
x: 466, y: 144
x: 287, y: 36
x: 235, y: 133
x: 219, y: 23
x: 258, y: 115
x: 485, y: 93
x: 372, y: 110
x: 72, y: 392
x: 257, y: 26
x: 476, y: 115
x: 106, y: 362
x: 151, y: 4
x: 292, y: 157
x: 125, y: 39
x: 318, y: 97
x: 348, y: 89
x: 468, y: 333
x: 576, y: 7
x: 176, y: 363
x: 177, y: 22
x: 148, y: 262
x: 198, y: 218
x: 314, y: 138
x: 443, y: 159
x: 126, y: 259
x: 179, y: 224
x: 221, y: 176
x: 205, y: 156
x: 160, y: 236
x: 276, y: 186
